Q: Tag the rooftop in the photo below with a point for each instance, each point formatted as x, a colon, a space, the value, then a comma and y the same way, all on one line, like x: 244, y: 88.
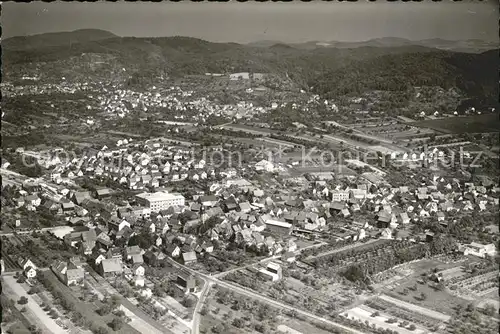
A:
x: 277, y: 223
x: 159, y: 196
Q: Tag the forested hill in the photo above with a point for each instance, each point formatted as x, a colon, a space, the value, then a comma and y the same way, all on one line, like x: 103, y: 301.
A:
x: 331, y: 71
x: 475, y: 74
x: 55, y: 39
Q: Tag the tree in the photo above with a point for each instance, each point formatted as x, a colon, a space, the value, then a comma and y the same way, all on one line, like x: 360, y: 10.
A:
x: 116, y: 324
x: 188, y: 302
x: 470, y: 307
x: 489, y: 309
x: 412, y: 327
x: 101, y: 330
x: 33, y: 290
x: 204, y: 310
x: 238, y: 322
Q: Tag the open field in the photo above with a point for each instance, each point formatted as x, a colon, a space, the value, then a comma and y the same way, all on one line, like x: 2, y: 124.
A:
x: 440, y: 301
x: 87, y: 309
x: 466, y: 124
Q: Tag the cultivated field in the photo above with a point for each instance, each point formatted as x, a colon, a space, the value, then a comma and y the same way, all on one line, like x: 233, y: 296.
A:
x: 470, y: 124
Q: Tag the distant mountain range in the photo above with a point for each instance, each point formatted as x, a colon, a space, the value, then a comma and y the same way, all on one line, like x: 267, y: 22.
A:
x: 468, y: 46
x: 332, y: 68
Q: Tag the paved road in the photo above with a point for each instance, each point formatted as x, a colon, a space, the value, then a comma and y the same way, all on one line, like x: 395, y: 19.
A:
x: 196, y: 316
x: 255, y: 295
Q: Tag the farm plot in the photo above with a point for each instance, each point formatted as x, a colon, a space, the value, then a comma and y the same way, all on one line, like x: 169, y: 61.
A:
x: 475, y: 287
x: 422, y: 310
x: 375, y: 318
x: 76, y: 297
x: 405, y: 314
x: 36, y: 313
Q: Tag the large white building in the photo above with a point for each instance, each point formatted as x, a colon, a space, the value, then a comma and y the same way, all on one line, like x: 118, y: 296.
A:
x: 158, y: 201
x: 479, y: 250
x: 340, y: 195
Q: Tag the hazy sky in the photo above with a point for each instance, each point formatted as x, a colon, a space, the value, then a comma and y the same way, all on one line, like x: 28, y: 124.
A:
x: 246, y: 22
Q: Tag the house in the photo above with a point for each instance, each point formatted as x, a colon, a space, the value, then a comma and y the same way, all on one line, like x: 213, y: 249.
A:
x: 336, y: 206
x: 26, y: 263
x: 131, y: 251
x: 117, y: 224
x: 272, y: 271
x: 207, y: 246
x: 345, y: 212
x: 153, y: 258
x: 103, y: 193
x: 340, y: 195
x: 230, y: 204
x: 278, y: 227
x: 403, y: 218
x: 29, y: 272
x: 98, y: 259
x: 479, y: 250
x: 208, y: 201
x: 186, y: 282
x: 291, y: 246
x: 79, y: 196
x: 189, y: 257
x: 68, y: 272
x: 245, y: 207
x: 440, y: 216
x: 383, y: 218
x: 386, y: 234
x: 289, y: 257
x: 52, y: 207
x: 264, y: 165
x: 110, y: 267
x: 32, y: 200
x: 173, y: 250
x: 138, y: 269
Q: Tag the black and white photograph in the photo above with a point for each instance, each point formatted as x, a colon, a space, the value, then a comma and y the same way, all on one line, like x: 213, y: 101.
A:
x: 258, y: 167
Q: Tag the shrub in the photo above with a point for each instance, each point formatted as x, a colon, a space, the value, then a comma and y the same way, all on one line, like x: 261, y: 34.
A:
x: 23, y: 300
x: 116, y: 324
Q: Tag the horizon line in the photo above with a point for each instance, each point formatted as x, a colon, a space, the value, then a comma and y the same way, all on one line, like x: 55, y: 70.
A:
x: 255, y: 41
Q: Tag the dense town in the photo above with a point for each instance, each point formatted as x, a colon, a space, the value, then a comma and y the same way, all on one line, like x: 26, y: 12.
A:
x: 144, y: 232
